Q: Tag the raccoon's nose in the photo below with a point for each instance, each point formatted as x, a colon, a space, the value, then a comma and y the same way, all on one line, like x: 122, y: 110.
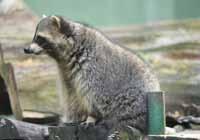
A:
x: 28, y: 50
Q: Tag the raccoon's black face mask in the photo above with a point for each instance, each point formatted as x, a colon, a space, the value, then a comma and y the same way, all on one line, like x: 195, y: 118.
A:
x: 51, y: 36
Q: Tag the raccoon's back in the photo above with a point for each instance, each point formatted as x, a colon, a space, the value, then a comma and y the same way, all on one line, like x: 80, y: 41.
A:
x: 113, y: 69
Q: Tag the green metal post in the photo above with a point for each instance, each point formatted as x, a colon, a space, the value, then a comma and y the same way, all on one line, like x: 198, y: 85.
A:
x: 156, y: 113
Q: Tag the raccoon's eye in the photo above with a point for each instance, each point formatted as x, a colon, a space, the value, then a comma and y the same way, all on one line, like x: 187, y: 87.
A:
x: 40, y: 40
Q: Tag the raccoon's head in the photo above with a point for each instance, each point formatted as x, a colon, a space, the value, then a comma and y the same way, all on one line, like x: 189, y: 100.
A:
x: 52, y: 36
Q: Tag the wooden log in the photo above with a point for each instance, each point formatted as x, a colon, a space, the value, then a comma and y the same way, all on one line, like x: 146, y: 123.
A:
x: 7, y: 130
x: 13, y: 129
x: 76, y: 131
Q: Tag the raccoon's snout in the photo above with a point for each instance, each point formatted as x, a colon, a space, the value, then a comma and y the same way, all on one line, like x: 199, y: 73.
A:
x: 28, y: 50
x: 33, y: 49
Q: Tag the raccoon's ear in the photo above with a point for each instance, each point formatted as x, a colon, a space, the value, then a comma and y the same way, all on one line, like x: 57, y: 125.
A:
x: 57, y: 21
x: 63, y: 25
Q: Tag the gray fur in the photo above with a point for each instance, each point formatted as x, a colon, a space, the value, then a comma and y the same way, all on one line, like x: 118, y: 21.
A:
x: 101, y: 78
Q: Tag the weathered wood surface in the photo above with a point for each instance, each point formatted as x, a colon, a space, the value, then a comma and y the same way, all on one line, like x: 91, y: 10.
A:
x: 74, y: 132
x: 13, y: 129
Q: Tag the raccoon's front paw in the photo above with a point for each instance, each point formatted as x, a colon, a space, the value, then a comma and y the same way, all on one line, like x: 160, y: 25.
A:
x: 114, y: 136
x: 87, y: 125
x: 90, y: 122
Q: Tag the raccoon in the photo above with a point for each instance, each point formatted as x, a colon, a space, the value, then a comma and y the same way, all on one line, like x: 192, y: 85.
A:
x: 102, y: 80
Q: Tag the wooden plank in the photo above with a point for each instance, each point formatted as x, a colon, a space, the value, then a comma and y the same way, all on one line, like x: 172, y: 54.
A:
x: 8, y: 76
x: 1, y: 56
x: 156, y: 113
x: 40, y: 117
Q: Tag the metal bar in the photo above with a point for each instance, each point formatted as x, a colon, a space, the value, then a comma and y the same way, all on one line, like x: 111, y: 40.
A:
x: 156, y: 113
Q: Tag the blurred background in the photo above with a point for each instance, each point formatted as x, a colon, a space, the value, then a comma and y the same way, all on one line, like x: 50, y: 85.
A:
x: 116, y: 12
x: 165, y: 33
